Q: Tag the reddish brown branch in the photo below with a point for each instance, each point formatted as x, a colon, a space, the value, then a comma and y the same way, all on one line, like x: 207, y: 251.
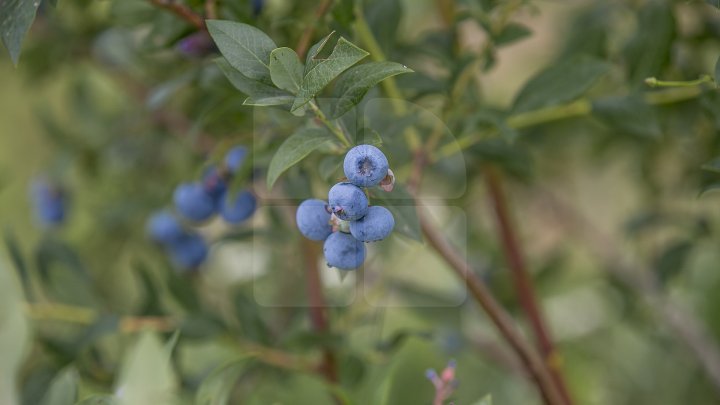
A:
x: 499, y: 317
x: 318, y: 308
x: 306, y: 37
x: 521, y: 279
x: 182, y: 11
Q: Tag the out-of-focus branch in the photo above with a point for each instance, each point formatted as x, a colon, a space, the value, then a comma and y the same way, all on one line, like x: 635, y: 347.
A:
x: 182, y: 11
x: 306, y: 37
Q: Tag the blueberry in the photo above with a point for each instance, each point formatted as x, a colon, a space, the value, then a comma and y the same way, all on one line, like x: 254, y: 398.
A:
x: 343, y: 251
x: 235, y: 158
x: 193, y: 202
x: 313, y: 219
x: 347, y: 201
x: 375, y: 225
x: 49, y: 201
x: 196, y: 45
x: 365, y: 166
x: 164, y: 227
x: 214, y: 183
x: 239, y: 208
x: 189, y: 251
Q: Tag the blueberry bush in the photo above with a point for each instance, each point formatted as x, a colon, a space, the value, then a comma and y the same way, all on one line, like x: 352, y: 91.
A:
x: 323, y: 202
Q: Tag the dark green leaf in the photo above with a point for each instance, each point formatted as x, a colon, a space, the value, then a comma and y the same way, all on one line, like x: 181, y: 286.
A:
x: 16, y: 16
x: 709, y: 187
x: 182, y: 290
x: 104, y: 325
x: 18, y: 260
x: 252, y: 324
x: 629, y: 115
x: 329, y: 168
x: 63, y: 388
x: 713, y: 165
x: 352, y: 85
x: 217, y: 387
x: 559, y: 83
x: 294, y: 149
x: 352, y: 370
x: 384, y: 18
x: 717, y: 71
x: 255, y: 89
x: 245, y: 47
x: 286, y: 70
x: 402, y: 205
x: 344, y: 55
x: 512, y: 32
x: 52, y: 252
x: 368, y: 136
x: 649, y: 49
x: 671, y: 261
x: 714, y: 3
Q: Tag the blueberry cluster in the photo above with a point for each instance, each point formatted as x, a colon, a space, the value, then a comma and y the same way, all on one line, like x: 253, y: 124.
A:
x: 347, y: 220
x: 197, y: 202
x: 49, y: 202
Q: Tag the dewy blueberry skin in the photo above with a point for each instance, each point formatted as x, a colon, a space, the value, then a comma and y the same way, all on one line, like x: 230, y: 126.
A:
x: 343, y: 251
x: 235, y: 158
x: 236, y: 209
x: 365, y: 166
x: 313, y: 219
x: 164, y: 227
x: 189, y: 251
x: 193, y: 202
x: 376, y: 225
x: 347, y: 201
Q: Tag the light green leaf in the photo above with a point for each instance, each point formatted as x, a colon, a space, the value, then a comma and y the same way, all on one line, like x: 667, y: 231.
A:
x: 16, y: 16
x: 294, y: 149
x: 98, y: 400
x: 245, y: 47
x: 146, y: 377
x: 312, y: 58
x: 559, y: 83
x: 486, y: 400
x: 63, y: 388
x: 269, y: 101
x: 257, y: 90
x: 352, y: 85
x: 14, y: 334
x: 342, y: 57
x: 286, y: 71
x: 628, y: 114
x: 216, y: 388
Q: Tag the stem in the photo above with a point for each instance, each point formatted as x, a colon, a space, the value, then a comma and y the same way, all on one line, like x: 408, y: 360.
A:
x: 182, y: 11
x: 304, y: 42
x: 390, y: 85
x: 499, y: 317
x: 337, y: 131
x: 523, y: 283
x: 318, y: 308
x: 86, y: 316
x: 653, y: 82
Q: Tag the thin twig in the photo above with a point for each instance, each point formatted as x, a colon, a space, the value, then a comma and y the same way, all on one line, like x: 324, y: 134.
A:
x: 182, y: 11
x: 523, y: 283
x: 499, y: 317
x: 211, y: 9
x: 306, y: 37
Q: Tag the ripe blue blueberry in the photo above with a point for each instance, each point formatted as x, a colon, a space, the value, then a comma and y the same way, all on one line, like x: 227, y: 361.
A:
x: 238, y: 208
x: 365, y: 166
x: 196, y: 45
x: 235, y: 158
x: 313, y: 219
x: 189, y: 251
x: 347, y: 201
x: 343, y: 251
x: 375, y: 225
x: 193, y: 202
x: 49, y: 202
x: 164, y: 227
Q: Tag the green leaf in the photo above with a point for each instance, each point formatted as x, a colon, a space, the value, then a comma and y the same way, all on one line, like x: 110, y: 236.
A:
x: 672, y: 260
x: 294, y: 149
x: 146, y: 377
x: 402, y: 205
x: 714, y: 3
x: 486, y: 400
x: 512, y: 32
x: 344, y: 55
x: 629, y: 115
x: 13, y: 247
x: 245, y: 47
x: 713, y: 165
x: 14, y: 335
x: 559, y: 83
x: 259, y: 92
x: 216, y: 388
x: 63, y: 388
x: 98, y: 400
x: 352, y: 85
x: 313, y: 57
x: 286, y: 71
x: 649, y: 50
x: 717, y: 71
x: 708, y: 188
x: 16, y: 16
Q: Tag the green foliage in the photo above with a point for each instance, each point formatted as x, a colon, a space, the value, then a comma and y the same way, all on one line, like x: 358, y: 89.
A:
x: 357, y: 81
x: 16, y: 16
x: 63, y: 388
x: 294, y: 149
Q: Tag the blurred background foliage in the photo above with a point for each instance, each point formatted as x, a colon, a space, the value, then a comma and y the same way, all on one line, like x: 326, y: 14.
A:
x: 611, y: 187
